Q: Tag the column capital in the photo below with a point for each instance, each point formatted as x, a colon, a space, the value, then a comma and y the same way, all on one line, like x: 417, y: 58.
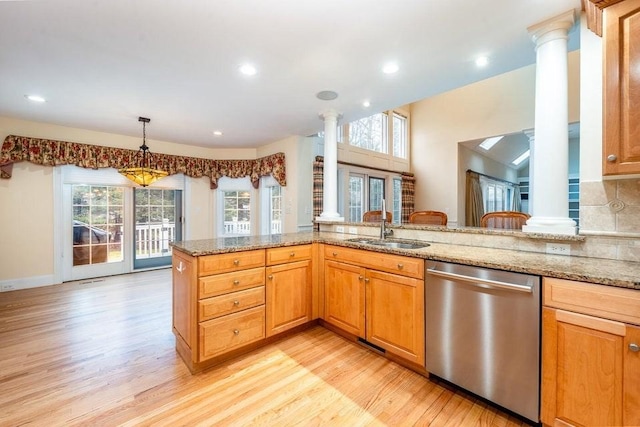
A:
x: 552, y: 29
x: 330, y: 113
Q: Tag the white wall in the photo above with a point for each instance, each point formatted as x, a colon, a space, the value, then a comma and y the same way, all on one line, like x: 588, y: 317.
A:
x: 500, y: 105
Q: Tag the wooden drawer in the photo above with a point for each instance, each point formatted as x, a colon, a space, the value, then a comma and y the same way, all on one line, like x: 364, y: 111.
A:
x: 226, y: 333
x: 288, y: 254
x: 598, y: 300
x: 405, y: 266
x: 223, y: 263
x: 220, y: 284
x: 230, y: 303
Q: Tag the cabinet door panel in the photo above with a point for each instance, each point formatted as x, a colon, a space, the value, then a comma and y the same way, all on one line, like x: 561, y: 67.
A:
x: 288, y: 296
x: 184, y: 278
x: 395, y: 314
x: 345, y: 297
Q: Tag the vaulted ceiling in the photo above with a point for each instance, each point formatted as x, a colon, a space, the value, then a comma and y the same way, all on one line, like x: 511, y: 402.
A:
x: 102, y: 63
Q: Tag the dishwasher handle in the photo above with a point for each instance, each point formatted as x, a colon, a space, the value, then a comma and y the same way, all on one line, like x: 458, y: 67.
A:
x: 482, y: 283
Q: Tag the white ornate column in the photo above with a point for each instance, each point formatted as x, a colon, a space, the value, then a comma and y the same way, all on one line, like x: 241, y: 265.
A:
x: 550, y: 166
x: 330, y: 172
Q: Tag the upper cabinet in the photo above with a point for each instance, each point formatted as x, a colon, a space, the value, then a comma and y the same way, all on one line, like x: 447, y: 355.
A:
x: 621, y: 108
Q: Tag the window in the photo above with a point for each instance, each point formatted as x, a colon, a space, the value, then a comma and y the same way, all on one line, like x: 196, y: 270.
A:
x: 370, y: 133
x: 356, y: 197
x: 275, y: 211
x: 497, y: 195
x: 364, y: 192
x: 399, y: 136
x: 236, y: 212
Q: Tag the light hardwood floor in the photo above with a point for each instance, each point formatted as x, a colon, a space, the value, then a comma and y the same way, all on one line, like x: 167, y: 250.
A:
x: 102, y: 353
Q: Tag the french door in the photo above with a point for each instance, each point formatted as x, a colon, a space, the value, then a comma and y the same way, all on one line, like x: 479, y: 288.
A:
x: 158, y: 215
x: 109, y: 227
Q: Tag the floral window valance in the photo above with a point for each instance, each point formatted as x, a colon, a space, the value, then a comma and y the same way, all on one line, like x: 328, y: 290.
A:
x: 48, y: 152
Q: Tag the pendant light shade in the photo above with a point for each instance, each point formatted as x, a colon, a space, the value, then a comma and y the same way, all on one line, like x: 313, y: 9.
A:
x: 142, y: 171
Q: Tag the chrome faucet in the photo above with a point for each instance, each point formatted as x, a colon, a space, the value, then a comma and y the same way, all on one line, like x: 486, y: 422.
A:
x: 384, y: 231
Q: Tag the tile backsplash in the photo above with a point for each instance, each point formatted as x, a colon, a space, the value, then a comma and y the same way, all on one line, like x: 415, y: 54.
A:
x: 610, y: 206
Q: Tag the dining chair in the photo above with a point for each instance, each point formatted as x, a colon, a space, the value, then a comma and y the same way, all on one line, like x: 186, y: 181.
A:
x: 428, y: 217
x: 376, y: 216
x: 511, y: 220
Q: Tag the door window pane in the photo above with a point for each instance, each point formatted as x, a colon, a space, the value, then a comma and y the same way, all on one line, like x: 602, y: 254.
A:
x: 97, y: 224
x: 376, y: 194
x: 276, y: 209
x: 155, y: 222
x: 356, y: 198
x: 397, y: 200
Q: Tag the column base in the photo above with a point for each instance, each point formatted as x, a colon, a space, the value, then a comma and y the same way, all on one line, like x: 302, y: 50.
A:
x: 548, y: 225
x: 329, y: 217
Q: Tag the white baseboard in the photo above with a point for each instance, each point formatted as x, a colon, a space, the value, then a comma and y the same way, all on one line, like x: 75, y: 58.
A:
x: 26, y: 283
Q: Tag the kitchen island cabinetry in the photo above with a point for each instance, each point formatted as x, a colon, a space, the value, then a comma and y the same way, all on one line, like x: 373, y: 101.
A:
x: 621, y: 124
x: 289, y: 288
x: 591, y: 354
x: 378, y: 297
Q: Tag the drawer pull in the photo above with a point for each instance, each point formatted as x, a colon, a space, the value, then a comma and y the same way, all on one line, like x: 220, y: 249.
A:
x: 335, y: 254
x: 612, y: 158
x: 236, y: 332
x: 400, y: 266
x: 236, y: 282
x: 270, y: 277
x: 292, y: 254
x: 634, y: 347
x: 236, y: 303
x: 236, y: 262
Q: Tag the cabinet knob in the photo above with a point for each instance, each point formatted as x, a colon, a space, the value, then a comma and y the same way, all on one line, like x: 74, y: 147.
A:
x: 634, y: 347
x: 360, y: 278
x: 292, y: 254
x: 236, y: 303
x: 612, y: 158
x: 335, y: 254
x: 236, y: 282
x: 270, y: 277
x: 366, y: 280
x: 236, y: 262
x: 400, y: 266
x: 236, y: 332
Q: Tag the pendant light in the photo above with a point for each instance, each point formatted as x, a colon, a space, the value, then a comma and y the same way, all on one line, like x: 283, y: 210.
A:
x: 142, y: 172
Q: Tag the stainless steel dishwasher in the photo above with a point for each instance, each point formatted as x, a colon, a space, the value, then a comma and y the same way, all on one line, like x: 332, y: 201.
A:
x: 483, y: 333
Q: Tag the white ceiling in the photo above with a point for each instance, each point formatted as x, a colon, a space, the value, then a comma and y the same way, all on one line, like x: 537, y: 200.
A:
x: 102, y: 63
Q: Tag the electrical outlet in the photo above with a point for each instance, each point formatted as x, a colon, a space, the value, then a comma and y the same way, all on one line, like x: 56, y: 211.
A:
x: 353, y: 230
x: 559, y: 248
x: 339, y: 229
x: 8, y: 288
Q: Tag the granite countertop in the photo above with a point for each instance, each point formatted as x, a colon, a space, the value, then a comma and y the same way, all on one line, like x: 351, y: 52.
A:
x: 609, y: 272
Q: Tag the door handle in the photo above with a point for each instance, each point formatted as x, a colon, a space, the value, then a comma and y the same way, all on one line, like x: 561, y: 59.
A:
x: 180, y: 267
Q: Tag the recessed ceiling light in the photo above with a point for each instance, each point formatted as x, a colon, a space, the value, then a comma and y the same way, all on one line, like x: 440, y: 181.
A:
x: 327, y: 95
x: 490, y: 142
x: 521, y: 158
x: 482, y: 61
x: 217, y: 132
x: 248, y: 69
x: 366, y: 104
x: 390, y: 68
x: 35, y: 98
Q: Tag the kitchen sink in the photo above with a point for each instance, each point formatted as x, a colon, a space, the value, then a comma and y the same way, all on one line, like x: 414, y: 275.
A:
x: 391, y: 243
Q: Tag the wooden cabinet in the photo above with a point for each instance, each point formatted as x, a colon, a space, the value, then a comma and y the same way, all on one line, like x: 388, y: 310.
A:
x: 377, y: 296
x: 184, y: 275
x: 344, y: 297
x: 289, y: 294
x: 590, y: 354
x: 621, y: 91
x: 395, y: 314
